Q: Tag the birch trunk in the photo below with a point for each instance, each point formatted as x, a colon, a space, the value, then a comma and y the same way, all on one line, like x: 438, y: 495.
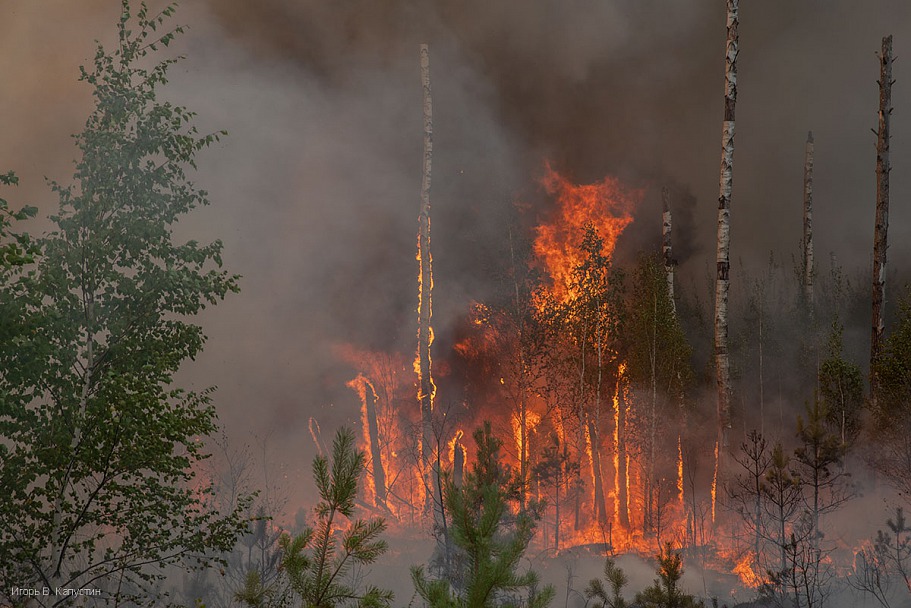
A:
x: 425, y: 287
x: 808, y: 223
x: 880, y: 240
x: 666, y: 251
x: 722, y: 282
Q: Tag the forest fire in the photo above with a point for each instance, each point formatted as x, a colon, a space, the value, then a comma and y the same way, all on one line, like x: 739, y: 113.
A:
x: 581, y: 436
x: 583, y: 417
x: 591, y: 378
x: 606, y: 205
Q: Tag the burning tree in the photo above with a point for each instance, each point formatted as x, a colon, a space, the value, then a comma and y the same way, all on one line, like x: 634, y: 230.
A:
x: 422, y: 362
x: 658, y: 365
x: 581, y: 305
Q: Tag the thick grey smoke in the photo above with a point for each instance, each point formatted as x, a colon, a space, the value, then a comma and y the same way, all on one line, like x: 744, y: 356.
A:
x: 315, y: 191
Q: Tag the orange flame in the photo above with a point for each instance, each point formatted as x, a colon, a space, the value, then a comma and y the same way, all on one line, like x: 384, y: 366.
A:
x: 359, y: 385
x: 456, y: 444
x: 606, y: 205
x: 425, y: 299
x: 744, y: 569
x: 680, y: 469
x: 715, y: 482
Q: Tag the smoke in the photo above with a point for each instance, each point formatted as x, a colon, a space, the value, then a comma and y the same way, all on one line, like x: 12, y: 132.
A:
x: 315, y: 191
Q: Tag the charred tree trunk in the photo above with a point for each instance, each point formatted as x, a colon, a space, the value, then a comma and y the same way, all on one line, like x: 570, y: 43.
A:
x: 594, y: 432
x: 622, y: 458
x: 458, y: 464
x: 808, y: 224
x: 594, y: 439
x: 669, y: 264
x: 880, y: 239
x: 650, y: 485
x: 426, y: 388
x: 373, y: 431
x: 722, y: 282
x: 521, y: 376
x: 666, y: 251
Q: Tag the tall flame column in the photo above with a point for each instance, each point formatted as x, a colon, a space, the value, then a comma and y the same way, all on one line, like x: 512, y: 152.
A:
x: 423, y: 364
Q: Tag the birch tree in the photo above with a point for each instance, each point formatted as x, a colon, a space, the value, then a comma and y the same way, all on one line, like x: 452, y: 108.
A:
x: 722, y: 279
x: 807, y: 243
x: 100, y: 444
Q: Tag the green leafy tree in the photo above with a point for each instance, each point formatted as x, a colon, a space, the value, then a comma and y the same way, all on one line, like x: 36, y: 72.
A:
x: 16, y: 248
x: 589, y: 321
x: 893, y: 369
x: 316, y: 562
x: 491, y: 538
x: 892, y: 410
x: 841, y: 388
x: 100, y: 446
x: 659, y: 364
x: 616, y: 578
x: 665, y: 592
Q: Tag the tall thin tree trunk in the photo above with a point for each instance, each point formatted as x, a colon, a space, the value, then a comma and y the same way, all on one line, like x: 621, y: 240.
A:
x: 650, y: 504
x: 666, y: 251
x: 880, y: 239
x: 373, y: 432
x: 594, y: 438
x: 58, y: 542
x: 458, y: 463
x: 722, y: 282
x: 808, y: 223
x: 761, y: 364
x: 622, y: 458
x: 426, y: 388
x: 594, y: 432
x: 521, y: 376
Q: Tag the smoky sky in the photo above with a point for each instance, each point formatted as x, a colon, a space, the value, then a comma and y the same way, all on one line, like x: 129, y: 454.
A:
x: 315, y: 191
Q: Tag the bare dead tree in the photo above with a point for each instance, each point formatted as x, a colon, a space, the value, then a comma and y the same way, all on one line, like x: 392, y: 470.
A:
x: 425, y: 286
x: 881, y: 228
x: 667, y: 252
x: 808, y: 222
x: 373, y: 432
x: 722, y: 281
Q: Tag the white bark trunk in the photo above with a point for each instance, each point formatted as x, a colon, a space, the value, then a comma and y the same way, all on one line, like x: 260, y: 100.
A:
x: 667, y: 252
x: 722, y: 283
x: 808, y: 223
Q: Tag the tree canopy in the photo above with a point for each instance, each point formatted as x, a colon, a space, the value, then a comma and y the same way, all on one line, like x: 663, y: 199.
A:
x: 101, y: 448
